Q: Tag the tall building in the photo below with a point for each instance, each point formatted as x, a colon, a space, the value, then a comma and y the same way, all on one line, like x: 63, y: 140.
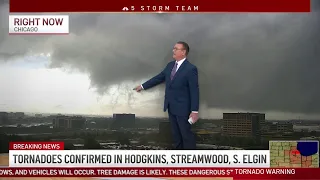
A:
x: 16, y: 115
x: 69, y: 122
x: 279, y: 127
x: 4, y: 117
x: 38, y: 115
x: 123, y: 121
x: 243, y: 124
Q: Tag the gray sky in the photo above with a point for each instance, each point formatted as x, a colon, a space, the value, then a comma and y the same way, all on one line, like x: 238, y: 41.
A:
x: 247, y: 62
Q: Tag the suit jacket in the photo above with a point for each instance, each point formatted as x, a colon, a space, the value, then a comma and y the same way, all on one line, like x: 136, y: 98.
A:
x: 182, y: 93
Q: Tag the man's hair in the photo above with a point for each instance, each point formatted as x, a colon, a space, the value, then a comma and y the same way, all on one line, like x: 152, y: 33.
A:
x: 185, y: 46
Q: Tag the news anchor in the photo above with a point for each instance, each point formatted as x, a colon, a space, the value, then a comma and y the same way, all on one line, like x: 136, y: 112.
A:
x: 181, y: 95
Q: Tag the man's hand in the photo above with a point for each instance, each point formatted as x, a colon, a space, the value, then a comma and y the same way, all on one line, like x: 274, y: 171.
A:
x: 194, y: 117
x: 138, y: 88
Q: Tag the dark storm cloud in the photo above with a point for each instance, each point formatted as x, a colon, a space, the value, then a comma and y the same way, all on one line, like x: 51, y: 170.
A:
x: 256, y: 62
x: 12, y: 47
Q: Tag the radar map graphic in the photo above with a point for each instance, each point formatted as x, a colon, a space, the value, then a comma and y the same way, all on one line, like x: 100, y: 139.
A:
x: 294, y: 154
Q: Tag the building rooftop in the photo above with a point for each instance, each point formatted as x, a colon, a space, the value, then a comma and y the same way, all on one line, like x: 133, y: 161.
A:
x: 246, y: 113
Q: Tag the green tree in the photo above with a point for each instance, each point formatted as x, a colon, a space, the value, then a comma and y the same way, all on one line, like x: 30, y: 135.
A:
x: 68, y: 146
x: 91, y: 143
x: 6, y: 139
x: 123, y: 138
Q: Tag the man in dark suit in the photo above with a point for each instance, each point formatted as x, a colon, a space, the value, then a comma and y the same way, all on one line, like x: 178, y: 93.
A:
x: 181, y: 95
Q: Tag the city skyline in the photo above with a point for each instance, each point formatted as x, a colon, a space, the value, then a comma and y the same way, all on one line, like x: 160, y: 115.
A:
x: 263, y: 63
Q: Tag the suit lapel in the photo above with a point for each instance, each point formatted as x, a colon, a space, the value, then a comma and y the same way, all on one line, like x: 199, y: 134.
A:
x: 183, y: 65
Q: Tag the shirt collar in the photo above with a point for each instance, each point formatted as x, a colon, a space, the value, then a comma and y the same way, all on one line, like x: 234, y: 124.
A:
x: 180, y: 62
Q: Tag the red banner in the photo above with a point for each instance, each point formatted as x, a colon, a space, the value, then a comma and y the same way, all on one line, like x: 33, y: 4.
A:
x: 235, y: 173
x: 32, y: 6
x: 36, y: 146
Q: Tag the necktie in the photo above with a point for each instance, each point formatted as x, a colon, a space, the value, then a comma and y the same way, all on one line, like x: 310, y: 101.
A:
x: 174, y: 69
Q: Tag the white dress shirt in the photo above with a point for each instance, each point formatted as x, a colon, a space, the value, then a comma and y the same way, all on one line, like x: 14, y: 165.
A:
x: 179, y: 63
x: 178, y: 66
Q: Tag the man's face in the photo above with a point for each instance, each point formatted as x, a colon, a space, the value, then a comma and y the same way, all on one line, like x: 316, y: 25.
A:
x: 178, y: 51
